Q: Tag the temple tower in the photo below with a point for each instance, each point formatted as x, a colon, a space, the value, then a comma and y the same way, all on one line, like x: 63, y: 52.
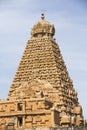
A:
x: 42, y: 89
x: 42, y: 60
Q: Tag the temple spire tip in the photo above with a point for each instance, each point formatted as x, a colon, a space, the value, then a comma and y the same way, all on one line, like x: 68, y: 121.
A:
x: 42, y: 16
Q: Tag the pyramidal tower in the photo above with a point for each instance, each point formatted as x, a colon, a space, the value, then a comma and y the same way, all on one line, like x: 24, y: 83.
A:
x: 42, y: 94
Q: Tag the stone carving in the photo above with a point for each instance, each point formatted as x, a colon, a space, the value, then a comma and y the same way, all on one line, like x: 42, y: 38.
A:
x: 42, y: 93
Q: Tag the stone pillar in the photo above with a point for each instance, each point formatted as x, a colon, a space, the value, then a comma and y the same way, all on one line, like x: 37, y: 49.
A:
x: 52, y: 117
x: 16, y: 122
x: 23, y: 121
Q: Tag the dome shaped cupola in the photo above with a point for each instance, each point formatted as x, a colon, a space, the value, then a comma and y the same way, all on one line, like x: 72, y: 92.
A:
x: 43, y: 28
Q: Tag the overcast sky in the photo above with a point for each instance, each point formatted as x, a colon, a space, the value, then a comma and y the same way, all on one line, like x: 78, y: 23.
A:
x: 69, y: 17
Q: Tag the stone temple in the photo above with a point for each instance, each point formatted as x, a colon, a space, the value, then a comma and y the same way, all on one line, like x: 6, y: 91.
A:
x: 42, y: 93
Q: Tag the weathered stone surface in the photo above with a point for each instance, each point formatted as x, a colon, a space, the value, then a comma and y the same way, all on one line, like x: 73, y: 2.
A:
x: 42, y: 94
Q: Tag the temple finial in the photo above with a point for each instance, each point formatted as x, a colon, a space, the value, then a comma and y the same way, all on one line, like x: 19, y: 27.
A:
x: 42, y: 16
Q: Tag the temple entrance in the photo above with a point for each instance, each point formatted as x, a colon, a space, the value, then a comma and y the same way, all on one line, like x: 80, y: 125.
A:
x: 20, y: 121
x: 19, y: 106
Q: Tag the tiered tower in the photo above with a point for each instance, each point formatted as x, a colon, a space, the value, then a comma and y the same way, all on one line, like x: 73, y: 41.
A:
x: 42, y: 89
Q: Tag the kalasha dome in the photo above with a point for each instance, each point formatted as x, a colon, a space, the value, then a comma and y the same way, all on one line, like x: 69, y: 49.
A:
x: 41, y: 95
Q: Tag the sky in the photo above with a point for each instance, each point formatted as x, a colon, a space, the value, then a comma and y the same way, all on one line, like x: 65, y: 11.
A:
x: 69, y: 17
